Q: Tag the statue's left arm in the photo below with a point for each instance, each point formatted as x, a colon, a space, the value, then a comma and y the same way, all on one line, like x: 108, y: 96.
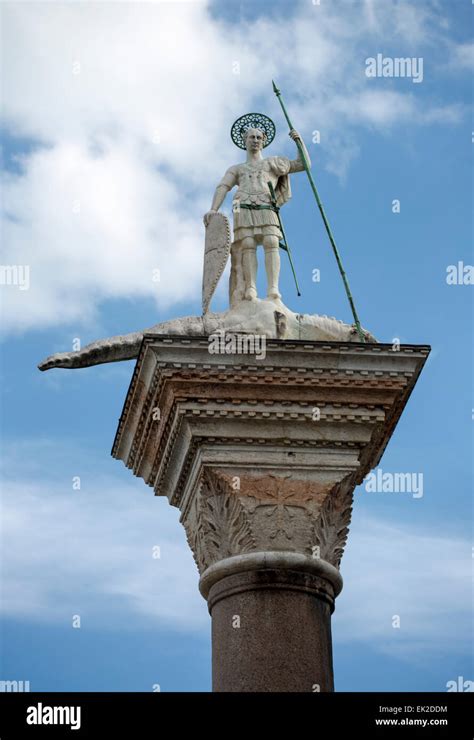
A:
x: 297, y: 165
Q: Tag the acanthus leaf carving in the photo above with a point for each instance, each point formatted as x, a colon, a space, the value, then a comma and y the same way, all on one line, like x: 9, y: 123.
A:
x: 331, y: 528
x: 222, y: 526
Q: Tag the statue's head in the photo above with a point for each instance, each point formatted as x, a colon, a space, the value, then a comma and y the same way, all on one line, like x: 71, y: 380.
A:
x: 253, y: 132
x: 254, y: 139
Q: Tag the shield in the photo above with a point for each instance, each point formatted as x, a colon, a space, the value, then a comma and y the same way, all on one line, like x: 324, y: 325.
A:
x: 216, y: 254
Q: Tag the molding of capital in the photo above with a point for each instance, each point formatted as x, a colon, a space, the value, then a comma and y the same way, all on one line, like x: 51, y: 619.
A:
x: 287, y: 561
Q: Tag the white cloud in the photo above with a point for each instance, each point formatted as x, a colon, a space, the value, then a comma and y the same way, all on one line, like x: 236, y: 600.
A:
x: 89, y: 552
x: 132, y: 104
x: 462, y: 56
x: 386, y: 108
x: 414, y: 23
x: 102, y: 225
x: 424, y: 577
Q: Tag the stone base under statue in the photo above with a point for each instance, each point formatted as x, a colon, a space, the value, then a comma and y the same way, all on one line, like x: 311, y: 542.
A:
x: 267, y: 317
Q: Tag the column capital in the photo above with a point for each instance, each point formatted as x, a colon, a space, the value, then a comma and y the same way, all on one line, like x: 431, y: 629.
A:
x: 247, y: 522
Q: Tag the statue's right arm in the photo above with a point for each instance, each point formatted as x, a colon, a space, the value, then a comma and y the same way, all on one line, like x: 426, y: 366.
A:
x: 226, y: 184
x: 219, y: 197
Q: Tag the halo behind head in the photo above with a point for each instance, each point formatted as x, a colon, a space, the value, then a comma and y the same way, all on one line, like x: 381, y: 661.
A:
x: 252, y: 120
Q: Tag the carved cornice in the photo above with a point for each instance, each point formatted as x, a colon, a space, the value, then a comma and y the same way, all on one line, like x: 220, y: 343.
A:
x: 312, y: 369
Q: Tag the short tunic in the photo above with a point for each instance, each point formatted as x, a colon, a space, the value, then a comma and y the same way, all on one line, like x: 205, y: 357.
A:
x: 252, y: 181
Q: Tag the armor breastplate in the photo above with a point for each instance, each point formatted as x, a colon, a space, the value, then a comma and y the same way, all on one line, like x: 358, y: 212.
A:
x: 253, y: 184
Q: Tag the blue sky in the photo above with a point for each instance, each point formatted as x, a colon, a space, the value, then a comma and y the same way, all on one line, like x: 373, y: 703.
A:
x: 114, y: 138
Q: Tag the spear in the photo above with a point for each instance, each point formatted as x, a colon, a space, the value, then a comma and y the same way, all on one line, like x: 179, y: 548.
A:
x: 324, y: 217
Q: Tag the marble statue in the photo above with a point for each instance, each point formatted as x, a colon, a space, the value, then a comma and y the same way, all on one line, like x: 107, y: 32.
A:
x: 256, y: 223
x: 255, y: 219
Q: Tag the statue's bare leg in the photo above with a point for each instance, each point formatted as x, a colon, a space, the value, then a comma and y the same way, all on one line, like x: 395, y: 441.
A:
x: 249, y: 261
x: 272, y: 265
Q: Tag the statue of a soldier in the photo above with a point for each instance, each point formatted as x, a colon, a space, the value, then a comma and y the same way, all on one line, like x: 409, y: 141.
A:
x: 256, y: 220
x: 263, y: 186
